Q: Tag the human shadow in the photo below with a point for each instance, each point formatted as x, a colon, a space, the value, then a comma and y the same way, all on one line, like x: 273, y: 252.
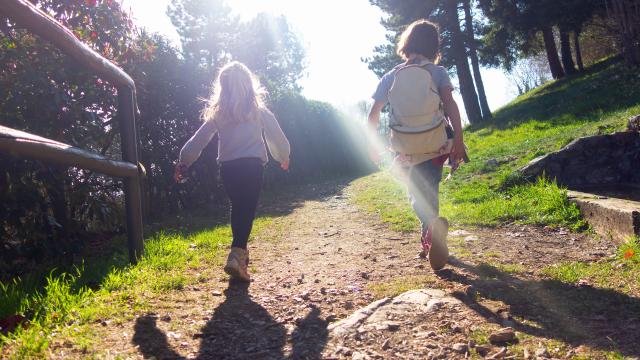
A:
x: 578, y: 315
x: 240, y: 328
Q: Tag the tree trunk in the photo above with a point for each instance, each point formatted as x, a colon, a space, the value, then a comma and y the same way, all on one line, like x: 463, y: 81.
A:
x: 576, y: 42
x: 627, y: 15
x: 475, y: 64
x: 565, y: 50
x: 552, y: 53
x: 467, y: 88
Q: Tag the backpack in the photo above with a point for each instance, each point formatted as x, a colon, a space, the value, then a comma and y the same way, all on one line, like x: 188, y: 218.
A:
x: 417, y: 120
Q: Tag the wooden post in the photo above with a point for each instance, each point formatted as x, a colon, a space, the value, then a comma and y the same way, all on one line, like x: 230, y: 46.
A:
x: 132, y: 190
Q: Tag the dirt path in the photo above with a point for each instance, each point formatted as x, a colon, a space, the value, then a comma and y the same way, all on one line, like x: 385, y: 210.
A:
x: 326, y: 259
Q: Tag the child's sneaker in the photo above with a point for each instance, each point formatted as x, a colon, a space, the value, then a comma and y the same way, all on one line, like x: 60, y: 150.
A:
x: 425, y: 241
x: 438, y: 251
x: 237, y: 264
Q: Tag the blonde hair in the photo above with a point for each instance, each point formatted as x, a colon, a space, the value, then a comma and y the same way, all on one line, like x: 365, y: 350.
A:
x: 236, y: 95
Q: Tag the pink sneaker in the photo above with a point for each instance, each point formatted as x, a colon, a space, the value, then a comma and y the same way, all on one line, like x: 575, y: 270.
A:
x: 425, y: 240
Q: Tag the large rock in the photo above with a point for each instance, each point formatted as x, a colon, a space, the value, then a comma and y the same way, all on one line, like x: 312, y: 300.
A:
x: 376, y: 315
x: 634, y: 123
x: 590, y: 161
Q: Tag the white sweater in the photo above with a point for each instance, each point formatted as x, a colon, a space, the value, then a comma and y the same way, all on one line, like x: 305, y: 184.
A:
x: 243, y: 139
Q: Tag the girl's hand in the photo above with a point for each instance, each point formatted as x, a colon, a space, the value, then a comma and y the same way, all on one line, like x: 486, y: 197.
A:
x: 181, y: 169
x: 457, y: 152
x: 374, y: 155
x: 285, y: 165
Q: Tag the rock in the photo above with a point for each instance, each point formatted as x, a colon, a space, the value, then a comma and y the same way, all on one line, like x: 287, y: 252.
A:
x: 502, y: 336
x: 483, y: 350
x: 471, y: 238
x: 386, y: 344
x: 360, y: 356
x: 459, y: 232
x: 460, y: 348
x: 634, y: 123
x: 491, y: 163
x: 343, y: 350
x: 500, y: 354
x: 542, y: 352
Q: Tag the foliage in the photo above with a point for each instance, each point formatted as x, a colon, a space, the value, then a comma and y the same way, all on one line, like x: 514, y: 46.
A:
x: 45, y: 93
x: 51, y: 211
x: 513, y: 27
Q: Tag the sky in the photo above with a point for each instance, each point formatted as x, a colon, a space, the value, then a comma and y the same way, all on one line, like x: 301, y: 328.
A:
x: 335, y: 43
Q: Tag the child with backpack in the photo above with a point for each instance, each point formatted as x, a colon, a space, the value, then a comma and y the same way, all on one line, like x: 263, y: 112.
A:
x: 422, y: 107
x: 235, y: 111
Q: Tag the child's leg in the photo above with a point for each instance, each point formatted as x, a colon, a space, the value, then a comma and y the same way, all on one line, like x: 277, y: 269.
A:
x: 242, y: 180
x: 424, y: 182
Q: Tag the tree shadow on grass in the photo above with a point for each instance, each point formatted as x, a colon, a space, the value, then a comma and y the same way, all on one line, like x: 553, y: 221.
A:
x: 578, y: 315
x: 240, y: 328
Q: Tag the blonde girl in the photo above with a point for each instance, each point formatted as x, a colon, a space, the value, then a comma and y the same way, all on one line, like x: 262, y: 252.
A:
x: 235, y: 111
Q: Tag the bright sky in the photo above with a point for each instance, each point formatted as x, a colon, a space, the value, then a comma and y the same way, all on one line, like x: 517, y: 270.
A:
x: 335, y: 42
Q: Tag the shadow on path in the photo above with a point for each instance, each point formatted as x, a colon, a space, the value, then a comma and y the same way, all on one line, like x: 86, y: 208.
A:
x: 240, y: 328
x: 579, y: 315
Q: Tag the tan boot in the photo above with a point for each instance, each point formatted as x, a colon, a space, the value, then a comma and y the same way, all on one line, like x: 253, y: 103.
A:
x: 237, y: 264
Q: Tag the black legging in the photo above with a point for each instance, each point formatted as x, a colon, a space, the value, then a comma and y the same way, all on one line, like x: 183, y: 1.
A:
x: 242, y: 179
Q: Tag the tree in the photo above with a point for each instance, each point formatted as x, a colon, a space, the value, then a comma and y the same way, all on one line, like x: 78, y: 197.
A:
x: 457, y: 45
x: 552, y: 52
x: 206, y: 29
x: 627, y: 15
x: 520, y: 21
x: 475, y: 63
x: 268, y: 46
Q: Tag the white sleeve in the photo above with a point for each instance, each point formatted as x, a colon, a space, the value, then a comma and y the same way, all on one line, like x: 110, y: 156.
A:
x: 274, y: 136
x: 193, y: 148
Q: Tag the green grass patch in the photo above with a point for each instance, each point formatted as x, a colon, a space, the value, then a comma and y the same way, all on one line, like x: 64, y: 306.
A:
x: 61, y: 307
x: 380, y: 193
x: 620, y: 273
x: 401, y: 285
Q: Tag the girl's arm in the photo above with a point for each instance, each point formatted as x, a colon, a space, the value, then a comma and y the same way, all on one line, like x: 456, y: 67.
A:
x: 372, y: 131
x: 193, y: 148
x: 276, y: 140
x: 453, y: 113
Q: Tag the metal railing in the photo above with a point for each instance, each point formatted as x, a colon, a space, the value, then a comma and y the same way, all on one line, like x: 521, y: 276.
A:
x: 22, y: 144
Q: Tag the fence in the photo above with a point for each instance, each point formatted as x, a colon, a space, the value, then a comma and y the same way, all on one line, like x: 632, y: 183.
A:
x: 22, y: 144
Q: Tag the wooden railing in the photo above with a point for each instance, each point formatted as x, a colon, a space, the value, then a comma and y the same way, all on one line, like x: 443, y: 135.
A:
x: 22, y: 144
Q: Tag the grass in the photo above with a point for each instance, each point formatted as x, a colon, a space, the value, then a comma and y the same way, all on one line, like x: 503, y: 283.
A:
x: 401, y: 285
x: 61, y: 307
x: 620, y: 273
x: 487, y: 190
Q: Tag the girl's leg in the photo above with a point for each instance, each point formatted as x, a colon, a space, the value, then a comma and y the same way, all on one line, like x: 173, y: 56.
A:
x: 424, y: 182
x: 242, y: 181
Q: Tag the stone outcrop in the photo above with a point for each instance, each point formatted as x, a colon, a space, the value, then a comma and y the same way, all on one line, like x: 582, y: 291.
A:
x: 591, y: 161
x: 634, y: 123
x: 377, y: 314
